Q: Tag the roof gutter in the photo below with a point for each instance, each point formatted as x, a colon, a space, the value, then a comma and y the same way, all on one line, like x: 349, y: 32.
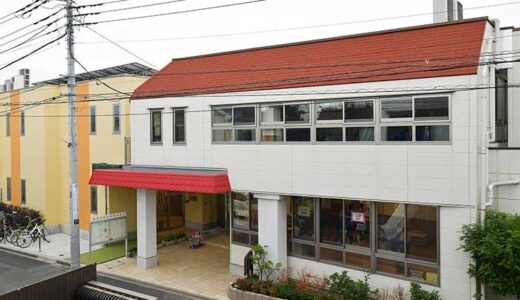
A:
x: 491, y: 189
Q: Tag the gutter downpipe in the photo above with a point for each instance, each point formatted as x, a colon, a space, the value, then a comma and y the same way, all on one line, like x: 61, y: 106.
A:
x: 491, y: 189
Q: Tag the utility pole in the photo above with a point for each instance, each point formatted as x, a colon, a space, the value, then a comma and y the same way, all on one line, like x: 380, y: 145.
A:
x: 72, y: 144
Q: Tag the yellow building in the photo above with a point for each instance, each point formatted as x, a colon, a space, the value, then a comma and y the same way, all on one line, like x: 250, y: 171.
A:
x: 34, y: 134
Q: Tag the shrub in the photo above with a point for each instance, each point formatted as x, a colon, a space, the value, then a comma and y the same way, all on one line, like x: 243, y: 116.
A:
x: 418, y: 293
x: 345, y: 288
x: 253, y: 284
x: 180, y: 235
x: 494, y: 247
x: 18, y: 217
x: 266, y: 269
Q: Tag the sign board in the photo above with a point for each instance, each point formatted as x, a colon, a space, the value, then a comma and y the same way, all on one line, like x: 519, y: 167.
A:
x: 358, y: 217
x: 108, y: 229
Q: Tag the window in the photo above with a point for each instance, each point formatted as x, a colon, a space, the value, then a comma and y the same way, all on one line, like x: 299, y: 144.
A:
x: 179, y: 126
x: 396, y: 108
x: 244, y: 219
x: 116, y: 112
x: 410, y: 119
x: 359, y: 134
x: 93, y: 200
x: 23, y: 192
x: 329, y: 111
x: 501, y: 106
x: 396, y: 133
x: 359, y: 111
x: 303, y: 218
x: 22, y: 123
x: 244, y: 115
x: 234, y: 124
x: 8, y: 189
x: 7, y: 124
x: 92, y: 119
x: 403, y: 241
x: 329, y: 134
x: 297, y: 113
x: 272, y: 114
x: 156, y: 126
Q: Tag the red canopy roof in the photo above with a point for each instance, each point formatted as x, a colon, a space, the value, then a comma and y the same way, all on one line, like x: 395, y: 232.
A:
x: 182, y: 182
x: 434, y: 50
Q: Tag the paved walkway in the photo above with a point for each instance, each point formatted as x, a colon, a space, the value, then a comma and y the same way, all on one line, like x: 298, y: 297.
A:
x: 203, y: 271
x: 58, y: 248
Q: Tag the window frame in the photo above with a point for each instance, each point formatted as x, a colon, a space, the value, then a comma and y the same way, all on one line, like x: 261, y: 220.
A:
x: 114, y: 117
x: 372, y: 252
x: 231, y: 126
x: 329, y: 122
x: 22, y: 123
x: 250, y: 231
x: 352, y: 123
x: 92, y: 120
x: 174, y: 127
x: 152, y: 111
x: 396, y: 120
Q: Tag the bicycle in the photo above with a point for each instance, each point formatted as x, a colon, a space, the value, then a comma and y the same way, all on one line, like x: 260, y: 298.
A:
x: 26, y: 237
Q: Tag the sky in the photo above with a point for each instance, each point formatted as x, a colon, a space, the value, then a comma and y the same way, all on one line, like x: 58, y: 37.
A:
x: 156, y: 41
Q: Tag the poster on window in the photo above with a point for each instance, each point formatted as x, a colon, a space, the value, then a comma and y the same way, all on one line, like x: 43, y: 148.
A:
x: 358, y: 217
x: 304, y: 211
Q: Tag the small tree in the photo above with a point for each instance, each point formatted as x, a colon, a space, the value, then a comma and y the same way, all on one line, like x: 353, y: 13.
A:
x: 495, y: 249
x: 265, y: 268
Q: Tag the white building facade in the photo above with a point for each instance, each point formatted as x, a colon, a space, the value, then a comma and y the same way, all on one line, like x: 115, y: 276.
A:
x: 374, y: 176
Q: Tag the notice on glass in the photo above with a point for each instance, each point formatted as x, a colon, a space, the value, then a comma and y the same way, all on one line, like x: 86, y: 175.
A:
x: 358, y: 217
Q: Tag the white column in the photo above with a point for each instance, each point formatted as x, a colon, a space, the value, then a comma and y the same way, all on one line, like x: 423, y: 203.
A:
x: 272, y: 226
x: 146, y: 229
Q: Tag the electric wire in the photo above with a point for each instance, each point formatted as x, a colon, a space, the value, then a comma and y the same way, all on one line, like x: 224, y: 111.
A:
x: 14, y: 16
x: 129, y: 8
x: 99, y: 80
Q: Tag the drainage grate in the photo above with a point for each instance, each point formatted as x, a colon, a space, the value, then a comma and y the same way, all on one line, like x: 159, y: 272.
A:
x: 94, y: 290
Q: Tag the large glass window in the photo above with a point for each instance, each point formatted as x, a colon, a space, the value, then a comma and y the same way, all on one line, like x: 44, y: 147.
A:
x: 390, y: 224
x: 244, y: 115
x: 357, y: 223
x: 298, y: 134
x: 179, y: 126
x: 331, y: 221
x: 244, y: 219
x: 156, y: 126
x: 222, y: 135
x: 303, y: 218
x: 432, y: 133
x: 329, y: 111
x: 396, y: 108
x: 245, y: 135
x: 396, y: 133
x: 421, y: 231
x: 23, y: 192
x: 7, y: 124
x: 22, y: 123
x: 359, y: 111
x: 297, y: 113
x: 272, y: 135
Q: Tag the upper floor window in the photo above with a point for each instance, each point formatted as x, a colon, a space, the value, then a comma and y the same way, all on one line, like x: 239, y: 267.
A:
x: 156, y: 126
x: 22, y: 123
x: 7, y: 124
x: 92, y: 119
x: 93, y: 199
x: 116, y: 114
x: 179, y: 126
x: 394, y: 119
x: 501, y: 106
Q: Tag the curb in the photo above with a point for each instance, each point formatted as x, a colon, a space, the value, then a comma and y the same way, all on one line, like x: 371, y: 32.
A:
x: 36, y: 256
x: 154, y: 285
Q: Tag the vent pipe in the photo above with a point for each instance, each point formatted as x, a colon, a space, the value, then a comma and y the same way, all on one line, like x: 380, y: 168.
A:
x: 447, y: 11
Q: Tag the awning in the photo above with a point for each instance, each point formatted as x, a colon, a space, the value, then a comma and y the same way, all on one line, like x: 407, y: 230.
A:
x: 163, y: 179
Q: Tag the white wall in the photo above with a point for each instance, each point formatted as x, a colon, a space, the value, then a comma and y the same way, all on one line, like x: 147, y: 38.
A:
x: 505, y: 165
x: 434, y: 174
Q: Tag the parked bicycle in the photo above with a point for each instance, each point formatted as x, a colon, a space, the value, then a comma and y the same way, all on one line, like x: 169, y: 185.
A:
x: 6, y: 231
x: 29, y: 235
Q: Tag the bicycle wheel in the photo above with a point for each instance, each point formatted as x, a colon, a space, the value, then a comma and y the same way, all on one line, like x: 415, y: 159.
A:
x: 24, y: 239
x: 45, y: 234
x: 11, y: 237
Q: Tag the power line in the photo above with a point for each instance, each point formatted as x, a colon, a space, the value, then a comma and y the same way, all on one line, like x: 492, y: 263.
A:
x: 175, y: 12
x: 330, y: 24
x: 99, y: 80
x: 129, y: 8
x: 23, y: 9
x: 98, y: 4
x: 437, y: 90
x: 120, y: 47
x: 32, y: 38
x: 32, y: 52
x: 33, y: 24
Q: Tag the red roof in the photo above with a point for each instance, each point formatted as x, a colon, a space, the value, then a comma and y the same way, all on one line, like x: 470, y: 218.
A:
x: 182, y: 182
x: 428, y: 51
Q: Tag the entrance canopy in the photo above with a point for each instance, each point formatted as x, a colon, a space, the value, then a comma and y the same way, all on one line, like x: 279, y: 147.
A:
x: 208, y: 181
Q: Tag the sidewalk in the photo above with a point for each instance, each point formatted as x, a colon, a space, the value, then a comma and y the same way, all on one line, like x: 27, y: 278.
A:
x: 57, y: 249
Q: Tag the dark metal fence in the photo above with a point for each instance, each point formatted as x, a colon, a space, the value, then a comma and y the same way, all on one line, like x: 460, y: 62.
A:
x: 59, y: 287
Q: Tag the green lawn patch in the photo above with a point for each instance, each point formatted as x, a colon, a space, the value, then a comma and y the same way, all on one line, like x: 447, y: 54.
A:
x: 108, y: 253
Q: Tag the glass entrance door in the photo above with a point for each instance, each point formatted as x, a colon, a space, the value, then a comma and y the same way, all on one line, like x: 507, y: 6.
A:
x: 170, y: 210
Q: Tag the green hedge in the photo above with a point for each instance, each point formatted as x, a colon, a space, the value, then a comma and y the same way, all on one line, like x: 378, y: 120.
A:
x: 18, y: 217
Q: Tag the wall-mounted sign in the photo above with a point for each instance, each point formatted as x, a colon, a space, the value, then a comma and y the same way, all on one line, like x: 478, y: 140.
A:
x: 108, y: 229
x: 304, y: 211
